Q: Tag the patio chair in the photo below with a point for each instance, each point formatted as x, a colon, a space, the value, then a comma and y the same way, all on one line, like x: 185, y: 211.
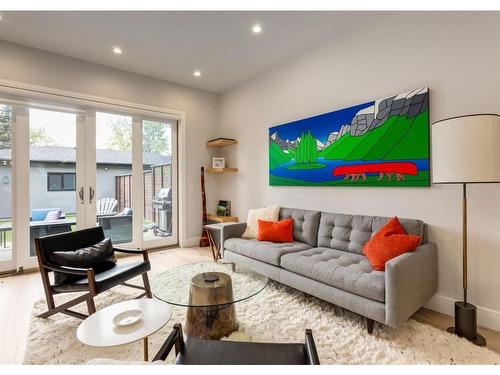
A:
x: 106, y: 206
x: 117, y: 226
x: 90, y: 281
x: 195, y: 351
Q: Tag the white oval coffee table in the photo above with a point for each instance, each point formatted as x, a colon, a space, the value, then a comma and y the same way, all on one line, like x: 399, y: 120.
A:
x: 99, y: 330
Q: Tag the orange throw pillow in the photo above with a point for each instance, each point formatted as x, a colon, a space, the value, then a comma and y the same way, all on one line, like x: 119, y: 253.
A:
x: 275, y: 231
x: 389, y: 242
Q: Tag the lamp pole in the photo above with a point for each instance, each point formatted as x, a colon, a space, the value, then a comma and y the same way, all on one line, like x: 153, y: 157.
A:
x: 466, y: 313
x: 464, y: 245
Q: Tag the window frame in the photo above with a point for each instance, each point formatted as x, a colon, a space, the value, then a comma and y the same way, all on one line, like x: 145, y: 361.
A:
x: 61, y: 174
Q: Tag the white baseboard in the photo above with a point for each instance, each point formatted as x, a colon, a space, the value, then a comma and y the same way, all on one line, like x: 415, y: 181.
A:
x: 191, y: 242
x: 485, y: 317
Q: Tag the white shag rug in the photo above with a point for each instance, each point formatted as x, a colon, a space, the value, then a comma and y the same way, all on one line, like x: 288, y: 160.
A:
x: 277, y: 314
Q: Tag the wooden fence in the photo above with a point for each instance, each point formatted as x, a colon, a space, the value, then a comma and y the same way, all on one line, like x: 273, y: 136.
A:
x: 158, y: 177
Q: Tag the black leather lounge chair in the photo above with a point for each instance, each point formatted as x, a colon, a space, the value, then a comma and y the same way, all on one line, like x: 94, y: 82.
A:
x: 195, y: 351
x: 87, y: 280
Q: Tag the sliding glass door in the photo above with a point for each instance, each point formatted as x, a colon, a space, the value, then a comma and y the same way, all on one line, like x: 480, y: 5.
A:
x: 39, y: 178
x: 63, y: 169
x: 136, y: 179
x: 52, y: 173
x: 113, y: 169
x: 159, y: 182
x: 6, y: 192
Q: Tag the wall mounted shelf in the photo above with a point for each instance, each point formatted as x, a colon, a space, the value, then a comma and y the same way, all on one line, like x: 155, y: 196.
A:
x: 223, y: 219
x: 221, y: 142
x: 221, y: 170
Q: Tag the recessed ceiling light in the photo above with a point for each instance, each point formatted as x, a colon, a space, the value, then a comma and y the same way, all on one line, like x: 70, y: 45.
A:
x: 256, y: 29
x: 197, y: 73
x: 117, y: 50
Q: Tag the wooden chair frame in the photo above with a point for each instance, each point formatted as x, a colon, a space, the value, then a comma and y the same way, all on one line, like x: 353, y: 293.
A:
x: 88, y: 297
x: 176, y: 340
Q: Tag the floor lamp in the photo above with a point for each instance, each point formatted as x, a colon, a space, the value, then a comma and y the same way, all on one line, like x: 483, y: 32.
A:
x: 466, y: 150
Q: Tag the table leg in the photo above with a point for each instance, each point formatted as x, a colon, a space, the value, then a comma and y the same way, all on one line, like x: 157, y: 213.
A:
x: 146, y: 349
x: 212, y: 245
x: 218, y: 248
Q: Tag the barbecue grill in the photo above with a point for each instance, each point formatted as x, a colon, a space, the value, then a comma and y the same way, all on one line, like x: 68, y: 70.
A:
x: 162, y: 203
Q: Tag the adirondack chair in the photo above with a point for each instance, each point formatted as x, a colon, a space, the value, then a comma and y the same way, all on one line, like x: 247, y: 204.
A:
x: 106, y: 206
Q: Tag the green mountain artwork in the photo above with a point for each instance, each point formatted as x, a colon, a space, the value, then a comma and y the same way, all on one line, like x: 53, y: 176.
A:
x: 379, y: 143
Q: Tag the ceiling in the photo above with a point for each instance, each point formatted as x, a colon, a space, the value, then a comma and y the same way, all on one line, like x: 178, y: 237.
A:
x: 172, y: 45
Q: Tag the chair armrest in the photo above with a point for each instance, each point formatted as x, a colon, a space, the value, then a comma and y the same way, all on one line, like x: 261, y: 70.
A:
x: 128, y: 251
x: 68, y: 270
x: 132, y: 251
x: 175, y: 338
x: 233, y: 230
x: 410, y: 280
x: 310, y: 347
x: 89, y: 272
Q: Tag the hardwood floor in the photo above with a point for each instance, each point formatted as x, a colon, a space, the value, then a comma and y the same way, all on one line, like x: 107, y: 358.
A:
x: 18, y: 293
x: 443, y: 321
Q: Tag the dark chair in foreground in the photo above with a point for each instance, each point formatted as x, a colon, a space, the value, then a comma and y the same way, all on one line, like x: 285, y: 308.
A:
x: 196, y: 351
x: 89, y: 281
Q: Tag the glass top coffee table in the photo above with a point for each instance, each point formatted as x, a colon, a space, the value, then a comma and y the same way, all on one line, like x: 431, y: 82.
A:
x: 209, y: 290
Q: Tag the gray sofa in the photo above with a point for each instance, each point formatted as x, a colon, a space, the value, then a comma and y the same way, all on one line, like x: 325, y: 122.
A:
x: 326, y: 260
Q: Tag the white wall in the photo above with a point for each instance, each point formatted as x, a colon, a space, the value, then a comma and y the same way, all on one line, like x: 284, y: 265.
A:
x: 27, y: 65
x: 457, y: 57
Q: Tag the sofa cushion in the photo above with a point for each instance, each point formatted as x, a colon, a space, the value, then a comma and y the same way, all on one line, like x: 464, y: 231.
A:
x: 270, y: 213
x: 276, y: 231
x: 305, y: 224
x: 265, y: 251
x: 347, y: 271
x: 105, y: 280
x: 39, y: 214
x: 53, y: 215
x: 352, y: 232
x: 388, y: 243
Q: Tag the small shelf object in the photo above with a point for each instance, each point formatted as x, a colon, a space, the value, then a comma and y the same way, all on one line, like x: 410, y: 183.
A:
x: 221, y: 170
x: 221, y: 142
x: 223, y: 219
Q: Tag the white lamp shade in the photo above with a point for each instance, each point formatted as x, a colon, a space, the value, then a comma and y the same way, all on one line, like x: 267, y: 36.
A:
x: 466, y: 149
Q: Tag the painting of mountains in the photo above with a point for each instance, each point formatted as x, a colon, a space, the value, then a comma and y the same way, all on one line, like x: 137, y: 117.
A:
x: 380, y: 143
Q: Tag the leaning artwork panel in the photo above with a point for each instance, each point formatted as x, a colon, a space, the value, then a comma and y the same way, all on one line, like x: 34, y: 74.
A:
x: 380, y: 143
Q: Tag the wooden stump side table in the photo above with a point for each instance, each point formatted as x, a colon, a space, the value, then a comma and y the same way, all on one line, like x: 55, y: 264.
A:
x: 209, y: 290
x: 211, y: 313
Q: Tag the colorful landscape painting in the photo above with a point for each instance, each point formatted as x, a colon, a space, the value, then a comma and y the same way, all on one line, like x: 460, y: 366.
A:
x: 381, y: 143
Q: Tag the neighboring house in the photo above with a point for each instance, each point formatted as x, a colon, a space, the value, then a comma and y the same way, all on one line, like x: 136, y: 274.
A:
x: 52, y: 176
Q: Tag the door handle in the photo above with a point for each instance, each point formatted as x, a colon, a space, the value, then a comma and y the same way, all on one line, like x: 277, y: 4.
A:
x: 91, y: 194
x: 80, y: 193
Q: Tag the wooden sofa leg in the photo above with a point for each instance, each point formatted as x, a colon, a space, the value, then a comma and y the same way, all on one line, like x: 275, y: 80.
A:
x: 369, y: 325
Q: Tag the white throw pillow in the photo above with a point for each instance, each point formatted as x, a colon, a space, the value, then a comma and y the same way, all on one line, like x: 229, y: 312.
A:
x: 270, y: 213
